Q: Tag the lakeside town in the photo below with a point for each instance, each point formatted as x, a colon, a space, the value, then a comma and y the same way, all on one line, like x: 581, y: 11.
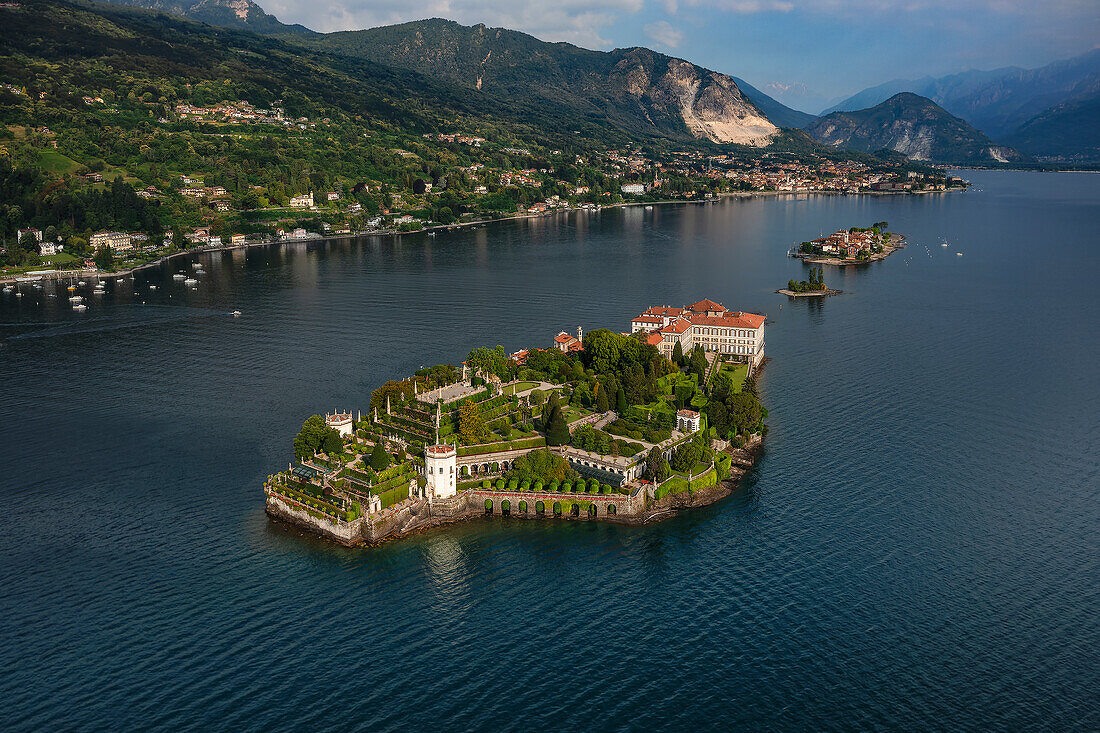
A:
x: 601, y: 425
x: 113, y: 212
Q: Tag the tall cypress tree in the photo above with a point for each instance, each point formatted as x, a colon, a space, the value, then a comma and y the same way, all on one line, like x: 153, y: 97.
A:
x: 557, y: 432
x: 548, y: 410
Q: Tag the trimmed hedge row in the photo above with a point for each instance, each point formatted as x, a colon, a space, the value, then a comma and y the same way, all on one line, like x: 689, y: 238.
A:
x: 394, y: 495
x: 486, y: 448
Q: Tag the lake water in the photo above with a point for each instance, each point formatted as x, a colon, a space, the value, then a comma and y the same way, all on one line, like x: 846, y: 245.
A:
x: 916, y: 549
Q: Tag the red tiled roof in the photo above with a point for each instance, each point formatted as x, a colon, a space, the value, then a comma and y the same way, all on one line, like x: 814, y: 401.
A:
x: 706, y: 305
x: 678, y: 326
x: 730, y: 320
x: 663, y: 310
x: 564, y: 338
x: 687, y: 413
x: 653, y: 339
x: 648, y: 319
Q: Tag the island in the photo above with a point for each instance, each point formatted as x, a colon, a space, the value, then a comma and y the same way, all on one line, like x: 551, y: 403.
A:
x: 625, y: 427
x: 854, y: 246
x: 814, y: 288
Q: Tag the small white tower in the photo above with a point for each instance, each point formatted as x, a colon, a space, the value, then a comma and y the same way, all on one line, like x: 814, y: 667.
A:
x: 580, y: 334
x: 440, y: 464
x: 341, y: 421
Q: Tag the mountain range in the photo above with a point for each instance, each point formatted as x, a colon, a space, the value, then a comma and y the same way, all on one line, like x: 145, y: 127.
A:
x: 636, y: 89
x: 915, y: 126
x: 642, y: 93
x: 1035, y: 109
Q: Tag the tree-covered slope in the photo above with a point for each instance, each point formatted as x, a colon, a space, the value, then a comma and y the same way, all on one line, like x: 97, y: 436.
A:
x: 636, y: 90
x: 239, y: 14
x: 1067, y: 133
x: 912, y: 125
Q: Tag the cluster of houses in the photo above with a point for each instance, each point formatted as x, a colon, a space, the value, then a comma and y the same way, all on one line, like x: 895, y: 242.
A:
x: 847, y: 243
x: 454, y: 137
x: 235, y: 112
x: 521, y: 178
x: 45, y: 247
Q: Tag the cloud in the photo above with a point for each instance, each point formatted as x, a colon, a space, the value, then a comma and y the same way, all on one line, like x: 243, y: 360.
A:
x: 852, y: 8
x: 663, y: 33
x: 575, y: 21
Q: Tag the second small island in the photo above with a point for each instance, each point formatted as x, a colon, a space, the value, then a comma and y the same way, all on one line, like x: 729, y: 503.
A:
x: 813, y: 288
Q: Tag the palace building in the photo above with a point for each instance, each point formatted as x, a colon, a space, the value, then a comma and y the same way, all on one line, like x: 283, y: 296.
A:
x: 707, y: 324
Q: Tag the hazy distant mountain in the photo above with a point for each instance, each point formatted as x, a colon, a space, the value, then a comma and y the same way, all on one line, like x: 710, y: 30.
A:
x: 775, y: 110
x: 243, y: 14
x: 913, y: 125
x: 1067, y: 133
x: 635, y: 89
x: 996, y: 102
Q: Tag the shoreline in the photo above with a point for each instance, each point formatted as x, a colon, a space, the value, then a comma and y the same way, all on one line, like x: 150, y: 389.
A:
x: 809, y: 294
x: 114, y: 275
x: 887, y: 250
x: 418, y: 518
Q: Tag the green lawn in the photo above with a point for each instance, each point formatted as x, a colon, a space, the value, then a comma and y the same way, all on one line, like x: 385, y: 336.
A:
x: 737, y: 374
x: 572, y: 414
x: 520, y: 387
x: 60, y: 260
x: 56, y: 163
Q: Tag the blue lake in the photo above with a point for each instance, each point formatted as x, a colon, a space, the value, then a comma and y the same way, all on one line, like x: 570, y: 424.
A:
x: 917, y: 548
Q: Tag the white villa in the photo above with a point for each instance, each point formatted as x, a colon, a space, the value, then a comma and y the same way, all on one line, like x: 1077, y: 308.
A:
x: 707, y: 324
x: 116, y: 241
x: 303, y: 201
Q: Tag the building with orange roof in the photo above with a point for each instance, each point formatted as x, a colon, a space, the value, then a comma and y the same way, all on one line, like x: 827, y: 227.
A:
x: 565, y: 342
x: 708, y: 324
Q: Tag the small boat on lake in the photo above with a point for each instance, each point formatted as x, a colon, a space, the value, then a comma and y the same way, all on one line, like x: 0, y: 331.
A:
x: 190, y: 281
x: 80, y: 307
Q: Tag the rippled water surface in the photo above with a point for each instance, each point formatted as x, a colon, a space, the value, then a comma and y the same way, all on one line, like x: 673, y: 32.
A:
x: 916, y: 549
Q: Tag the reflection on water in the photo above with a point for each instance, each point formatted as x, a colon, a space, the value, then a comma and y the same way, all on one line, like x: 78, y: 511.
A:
x: 921, y: 525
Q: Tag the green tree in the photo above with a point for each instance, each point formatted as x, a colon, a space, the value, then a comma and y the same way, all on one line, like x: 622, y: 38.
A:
x: 379, y: 458
x: 332, y: 443
x: 557, y: 432
x: 548, y: 410
x: 620, y: 401
x: 745, y: 412
x: 470, y: 423
x: 104, y: 258
x: 698, y: 363
x: 309, y: 438
x: 656, y: 467
x: 678, y: 354
x: 541, y: 466
x: 601, y: 398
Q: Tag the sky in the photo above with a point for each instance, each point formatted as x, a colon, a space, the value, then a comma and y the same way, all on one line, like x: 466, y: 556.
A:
x: 805, y: 53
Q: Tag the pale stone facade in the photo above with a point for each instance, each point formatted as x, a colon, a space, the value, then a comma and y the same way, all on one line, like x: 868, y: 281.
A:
x: 440, y: 468
x: 707, y: 324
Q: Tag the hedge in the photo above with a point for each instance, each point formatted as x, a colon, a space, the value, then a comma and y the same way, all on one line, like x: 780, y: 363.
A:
x: 474, y: 450
x: 394, y: 496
